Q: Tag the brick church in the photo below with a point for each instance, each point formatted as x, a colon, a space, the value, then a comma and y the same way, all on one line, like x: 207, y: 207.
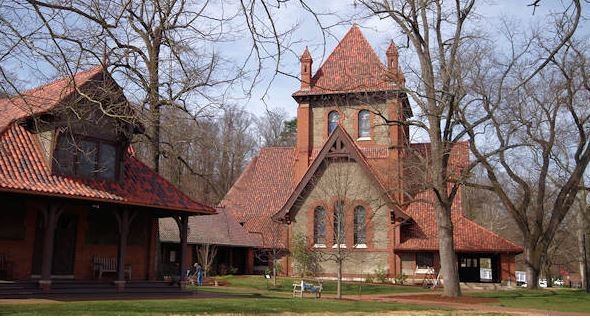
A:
x: 342, y: 186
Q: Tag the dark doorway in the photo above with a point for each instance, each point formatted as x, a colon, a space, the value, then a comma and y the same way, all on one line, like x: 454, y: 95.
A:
x: 64, y: 245
x: 478, y: 268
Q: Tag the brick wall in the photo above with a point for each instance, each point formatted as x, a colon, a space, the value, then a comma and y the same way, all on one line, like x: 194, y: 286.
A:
x: 359, y: 191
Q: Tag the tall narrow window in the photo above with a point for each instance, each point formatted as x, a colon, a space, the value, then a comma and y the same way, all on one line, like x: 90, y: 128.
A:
x: 339, y: 238
x: 360, y: 230
x: 333, y: 118
x: 364, y: 124
x: 319, y: 226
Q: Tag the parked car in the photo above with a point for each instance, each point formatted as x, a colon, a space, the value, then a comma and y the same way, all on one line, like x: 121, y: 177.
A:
x: 558, y: 282
x: 543, y: 283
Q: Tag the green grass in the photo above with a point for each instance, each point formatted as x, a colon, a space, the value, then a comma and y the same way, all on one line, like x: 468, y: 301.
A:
x: 566, y: 300
x: 329, y: 287
x: 261, y: 305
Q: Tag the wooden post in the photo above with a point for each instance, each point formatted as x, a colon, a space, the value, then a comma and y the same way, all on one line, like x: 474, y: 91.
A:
x: 51, y: 215
x: 124, y: 220
x: 182, y: 221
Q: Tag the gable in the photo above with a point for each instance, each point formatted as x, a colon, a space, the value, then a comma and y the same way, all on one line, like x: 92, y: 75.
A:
x: 339, y: 149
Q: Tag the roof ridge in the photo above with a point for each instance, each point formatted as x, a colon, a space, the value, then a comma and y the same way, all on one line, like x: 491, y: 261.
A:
x: 67, y: 77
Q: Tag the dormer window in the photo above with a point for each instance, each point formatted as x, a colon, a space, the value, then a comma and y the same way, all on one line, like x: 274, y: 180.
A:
x: 86, y: 157
x: 364, y: 124
x: 333, y: 118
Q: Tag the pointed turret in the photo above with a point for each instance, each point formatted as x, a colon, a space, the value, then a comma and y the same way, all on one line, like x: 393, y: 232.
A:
x: 306, y: 62
x: 393, y: 63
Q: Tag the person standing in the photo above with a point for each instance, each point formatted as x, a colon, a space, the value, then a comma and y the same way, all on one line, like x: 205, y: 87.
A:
x: 199, y: 271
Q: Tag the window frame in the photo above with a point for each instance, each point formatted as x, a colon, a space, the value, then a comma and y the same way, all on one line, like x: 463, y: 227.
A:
x: 426, y: 256
x: 76, y: 157
x: 362, y: 123
x: 333, y: 123
x: 316, y: 229
x: 338, y: 225
x: 359, y: 229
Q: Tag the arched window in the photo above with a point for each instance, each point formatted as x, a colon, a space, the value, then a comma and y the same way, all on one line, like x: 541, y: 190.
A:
x: 364, y: 124
x: 333, y: 118
x: 360, y: 226
x: 339, y: 237
x: 319, y: 225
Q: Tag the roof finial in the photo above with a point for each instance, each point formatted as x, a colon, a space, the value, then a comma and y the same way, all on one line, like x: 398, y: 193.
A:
x: 105, y: 54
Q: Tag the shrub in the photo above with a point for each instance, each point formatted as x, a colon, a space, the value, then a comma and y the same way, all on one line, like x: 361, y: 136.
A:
x: 306, y: 261
x: 369, y: 278
x: 401, y: 278
x: 381, y: 274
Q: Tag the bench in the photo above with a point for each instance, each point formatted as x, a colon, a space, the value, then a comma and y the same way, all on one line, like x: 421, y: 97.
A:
x: 102, y: 265
x: 5, y: 267
x: 300, y: 287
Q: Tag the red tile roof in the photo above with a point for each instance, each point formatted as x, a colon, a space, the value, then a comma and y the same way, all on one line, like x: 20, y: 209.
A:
x: 261, y: 191
x: 353, y: 66
x: 43, y: 98
x: 25, y: 169
x: 468, y: 235
x: 218, y: 229
x: 266, y: 185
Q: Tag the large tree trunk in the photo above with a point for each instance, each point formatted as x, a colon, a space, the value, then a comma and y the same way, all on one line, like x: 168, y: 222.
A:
x: 583, y: 235
x: 448, y: 258
x: 532, y: 259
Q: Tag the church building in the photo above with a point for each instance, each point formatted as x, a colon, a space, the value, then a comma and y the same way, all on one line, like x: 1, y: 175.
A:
x: 344, y: 187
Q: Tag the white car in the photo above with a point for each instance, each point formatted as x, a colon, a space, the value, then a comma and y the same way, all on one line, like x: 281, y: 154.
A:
x: 543, y: 283
x: 558, y: 282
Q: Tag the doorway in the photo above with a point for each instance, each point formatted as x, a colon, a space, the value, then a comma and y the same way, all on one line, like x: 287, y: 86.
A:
x: 64, y: 245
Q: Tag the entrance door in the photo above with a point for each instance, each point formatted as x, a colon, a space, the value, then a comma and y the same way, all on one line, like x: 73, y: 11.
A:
x: 469, y: 269
x: 64, y: 245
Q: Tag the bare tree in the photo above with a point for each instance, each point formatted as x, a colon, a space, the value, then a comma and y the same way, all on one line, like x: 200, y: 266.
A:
x: 206, y: 253
x: 538, y: 138
x: 437, y: 33
x: 275, y: 129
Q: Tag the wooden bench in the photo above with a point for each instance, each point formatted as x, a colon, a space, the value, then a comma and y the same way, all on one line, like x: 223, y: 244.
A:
x: 300, y: 287
x: 5, y: 267
x: 102, y: 265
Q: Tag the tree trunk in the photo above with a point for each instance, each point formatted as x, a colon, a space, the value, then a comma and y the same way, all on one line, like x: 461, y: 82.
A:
x: 339, y: 281
x: 448, y: 258
x: 274, y: 271
x: 532, y: 259
x: 583, y: 235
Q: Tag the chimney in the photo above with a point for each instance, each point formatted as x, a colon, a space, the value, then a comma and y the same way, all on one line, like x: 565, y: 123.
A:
x: 306, y: 62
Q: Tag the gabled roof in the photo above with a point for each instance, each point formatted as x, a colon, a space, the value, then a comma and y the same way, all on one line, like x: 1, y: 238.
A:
x: 24, y: 167
x: 338, y: 145
x: 218, y: 229
x: 44, y: 98
x: 468, y: 235
x: 353, y: 66
x: 260, y: 191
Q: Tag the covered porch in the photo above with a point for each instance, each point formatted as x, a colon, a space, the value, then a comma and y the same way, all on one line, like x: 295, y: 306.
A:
x: 47, y: 240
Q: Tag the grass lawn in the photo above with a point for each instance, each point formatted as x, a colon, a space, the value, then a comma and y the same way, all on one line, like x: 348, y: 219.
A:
x: 240, y: 305
x: 329, y: 287
x: 567, y: 300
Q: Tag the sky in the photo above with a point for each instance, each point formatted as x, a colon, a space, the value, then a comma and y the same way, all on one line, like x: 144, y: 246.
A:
x: 379, y: 33
x: 274, y: 90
